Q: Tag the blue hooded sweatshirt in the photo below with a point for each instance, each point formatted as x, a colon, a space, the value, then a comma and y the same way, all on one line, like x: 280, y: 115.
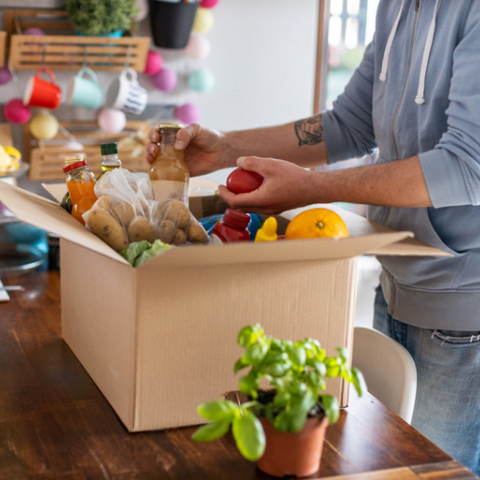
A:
x: 417, y: 92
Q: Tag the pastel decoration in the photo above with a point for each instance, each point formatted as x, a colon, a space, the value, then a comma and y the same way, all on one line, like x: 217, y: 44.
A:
x: 44, y: 126
x: 16, y: 112
x: 5, y: 75
x: 165, y: 80
x: 143, y: 10
x: 111, y: 120
x: 154, y: 63
x: 198, y: 47
x: 73, y: 146
x: 33, y: 31
x: 125, y: 93
x: 84, y: 92
x: 201, y: 80
x: 208, y: 3
x: 187, y: 113
x: 203, y: 20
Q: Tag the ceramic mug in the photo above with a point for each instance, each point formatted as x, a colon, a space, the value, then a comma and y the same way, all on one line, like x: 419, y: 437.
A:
x: 42, y: 93
x: 126, y: 94
x: 84, y: 92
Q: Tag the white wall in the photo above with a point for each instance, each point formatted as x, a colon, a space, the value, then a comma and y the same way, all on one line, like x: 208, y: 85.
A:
x: 263, y: 59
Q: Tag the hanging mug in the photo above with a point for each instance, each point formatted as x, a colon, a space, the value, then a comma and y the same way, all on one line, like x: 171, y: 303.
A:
x: 42, y: 93
x: 126, y: 94
x: 84, y: 92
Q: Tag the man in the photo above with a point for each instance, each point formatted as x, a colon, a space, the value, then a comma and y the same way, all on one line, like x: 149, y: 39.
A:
x: 415, y: 96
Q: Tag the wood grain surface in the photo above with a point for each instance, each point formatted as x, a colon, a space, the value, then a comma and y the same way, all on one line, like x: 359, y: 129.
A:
x: 55, y: 423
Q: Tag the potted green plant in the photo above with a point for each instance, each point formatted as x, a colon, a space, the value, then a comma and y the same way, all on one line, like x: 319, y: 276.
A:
x: 284, y: 405
x: 102, y: 17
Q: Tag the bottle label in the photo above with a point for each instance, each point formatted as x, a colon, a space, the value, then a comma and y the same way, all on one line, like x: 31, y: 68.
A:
x: 170, y: 190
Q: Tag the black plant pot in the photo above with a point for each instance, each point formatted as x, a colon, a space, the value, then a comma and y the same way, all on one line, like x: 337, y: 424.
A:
x: 171, y: 22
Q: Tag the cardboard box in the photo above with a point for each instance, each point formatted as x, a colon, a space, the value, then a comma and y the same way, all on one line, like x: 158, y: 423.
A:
x: 160, y: 339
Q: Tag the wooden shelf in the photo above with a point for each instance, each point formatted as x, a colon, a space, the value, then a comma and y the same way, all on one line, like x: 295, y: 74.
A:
x: 47, y: 157
x: 3, y: 45
x: 61, y: 49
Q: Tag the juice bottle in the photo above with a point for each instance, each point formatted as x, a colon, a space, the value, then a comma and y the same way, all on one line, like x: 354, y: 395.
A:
x: 233, y: 226
x: 80, y: 184
x: 169, y: 173
x: 110, y: 158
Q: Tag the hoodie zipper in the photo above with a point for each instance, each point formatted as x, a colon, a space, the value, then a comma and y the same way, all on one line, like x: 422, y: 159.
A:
x: 397, y: 154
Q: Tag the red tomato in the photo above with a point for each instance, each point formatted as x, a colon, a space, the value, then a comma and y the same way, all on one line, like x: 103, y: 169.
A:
x: 243, y: 181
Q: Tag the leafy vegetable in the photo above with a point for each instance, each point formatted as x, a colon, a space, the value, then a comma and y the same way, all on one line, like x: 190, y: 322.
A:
x: 138, y: 253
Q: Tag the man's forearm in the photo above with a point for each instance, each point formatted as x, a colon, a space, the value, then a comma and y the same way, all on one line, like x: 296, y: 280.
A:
x: 395, y: 184
x: 300, y: 142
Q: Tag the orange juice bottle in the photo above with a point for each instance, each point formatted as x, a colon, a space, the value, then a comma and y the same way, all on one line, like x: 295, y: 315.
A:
x: 80, y: 184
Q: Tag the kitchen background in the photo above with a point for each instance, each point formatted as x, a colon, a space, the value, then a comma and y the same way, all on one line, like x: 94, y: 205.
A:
x: 261, y: 71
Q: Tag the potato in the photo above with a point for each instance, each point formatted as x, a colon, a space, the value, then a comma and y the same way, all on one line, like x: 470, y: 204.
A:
x: 166, y: 231
x: 124, y: 213
x: 141, y: 229
x: 177, y: 212
x: 104, y: 226
x: 104, y: 202
x: 196, y: 233
x: 179, y: 238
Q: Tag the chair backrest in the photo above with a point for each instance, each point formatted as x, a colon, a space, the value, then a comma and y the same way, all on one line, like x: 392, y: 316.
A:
x: 388, y: 368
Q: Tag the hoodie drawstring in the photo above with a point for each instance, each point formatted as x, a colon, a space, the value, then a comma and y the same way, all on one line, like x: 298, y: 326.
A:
x: 420, y: 98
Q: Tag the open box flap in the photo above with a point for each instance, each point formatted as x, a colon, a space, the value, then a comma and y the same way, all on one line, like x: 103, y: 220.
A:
x: 49, y: 216
x: 280, y: 251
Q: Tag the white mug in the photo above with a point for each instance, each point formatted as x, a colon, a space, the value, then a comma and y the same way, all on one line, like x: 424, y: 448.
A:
x: 126, y: 94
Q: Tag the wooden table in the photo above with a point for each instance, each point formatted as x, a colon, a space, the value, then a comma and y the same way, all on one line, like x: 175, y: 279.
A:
x: 55, y: 423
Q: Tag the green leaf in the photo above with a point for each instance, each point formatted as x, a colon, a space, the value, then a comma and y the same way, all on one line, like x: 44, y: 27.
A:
x: 359, y: 381
x: 298, y: 356
x: 239, y: 365
x: 282, y: 422
x: 255, y: 353
x: 249, y: 335
x: 331, y: 407
x: 211, y: 431
x: 281, y: 399
x: 249, y: 436
x: 343, y: 352
x: 217, y: 410
x: 248, y: 384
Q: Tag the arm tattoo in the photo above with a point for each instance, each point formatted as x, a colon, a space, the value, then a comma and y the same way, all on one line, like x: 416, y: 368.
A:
x: 310, y: 131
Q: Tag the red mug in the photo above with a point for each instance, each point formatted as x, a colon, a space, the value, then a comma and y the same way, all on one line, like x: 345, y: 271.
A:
x: 42, y: 93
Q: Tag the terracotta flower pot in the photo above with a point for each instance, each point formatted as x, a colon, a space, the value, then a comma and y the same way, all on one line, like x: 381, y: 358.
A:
x: 296, y: 454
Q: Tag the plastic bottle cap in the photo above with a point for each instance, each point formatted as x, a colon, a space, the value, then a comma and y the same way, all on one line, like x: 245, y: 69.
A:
x: 236, y: 218
x: 74, y: 165
x: 109, y: 148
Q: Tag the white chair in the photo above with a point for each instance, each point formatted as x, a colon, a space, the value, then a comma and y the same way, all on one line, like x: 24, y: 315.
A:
x: 388, y: 368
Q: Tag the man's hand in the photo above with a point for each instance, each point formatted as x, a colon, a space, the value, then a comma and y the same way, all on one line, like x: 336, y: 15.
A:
x: 204, y: 149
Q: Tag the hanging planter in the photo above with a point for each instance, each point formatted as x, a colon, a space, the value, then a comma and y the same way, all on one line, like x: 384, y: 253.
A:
x: 172, y: 23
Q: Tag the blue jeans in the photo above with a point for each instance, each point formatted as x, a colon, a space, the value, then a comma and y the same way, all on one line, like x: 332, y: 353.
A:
x: 447, y: 407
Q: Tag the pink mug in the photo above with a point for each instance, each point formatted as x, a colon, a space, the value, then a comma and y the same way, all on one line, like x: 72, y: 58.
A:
x: 42, y: 93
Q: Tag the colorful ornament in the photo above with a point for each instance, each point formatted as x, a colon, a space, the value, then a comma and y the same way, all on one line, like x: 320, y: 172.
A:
x: 111, y: 121
x: 153, y: 64
x: 208, y: 3
x: 201, y: 80
x: 165, y: 80
x: 44, y: 126
x: 16, y: 112
x: 33, y: 31
x: 203, y: 20
x: 198, y: 47
x: 5, y: 75
x: 143, y: 10
x: 187, y: 113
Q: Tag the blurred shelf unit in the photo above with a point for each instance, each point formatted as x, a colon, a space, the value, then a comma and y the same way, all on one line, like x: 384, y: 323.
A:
x: 61, y: 49
x: 47, y: 156
x: 3, y: 45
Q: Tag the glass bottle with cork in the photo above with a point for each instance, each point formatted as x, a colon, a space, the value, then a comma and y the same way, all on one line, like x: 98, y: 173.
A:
x: 168, y: 172
x: 80, y: 183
